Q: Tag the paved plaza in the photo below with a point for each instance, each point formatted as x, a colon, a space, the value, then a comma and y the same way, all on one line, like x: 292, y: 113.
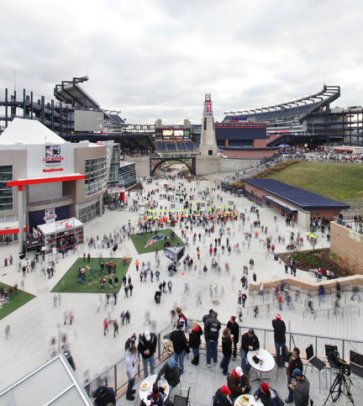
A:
x: 34, y: 325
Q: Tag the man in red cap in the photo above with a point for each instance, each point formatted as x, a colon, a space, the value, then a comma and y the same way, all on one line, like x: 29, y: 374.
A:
x: 267, y: 395
x: 279, y: 327
x: 221, y: 397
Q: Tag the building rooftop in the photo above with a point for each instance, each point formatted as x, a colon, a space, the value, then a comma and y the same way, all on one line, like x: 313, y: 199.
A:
x: 299, y: 197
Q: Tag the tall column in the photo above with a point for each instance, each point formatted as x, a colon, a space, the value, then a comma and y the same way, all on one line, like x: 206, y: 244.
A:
x: 208, y: 143
x: 21, y: 217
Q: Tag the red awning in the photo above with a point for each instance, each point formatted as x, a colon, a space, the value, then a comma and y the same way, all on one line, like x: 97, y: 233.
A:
x: 6, y: 231
x: 37, y: 181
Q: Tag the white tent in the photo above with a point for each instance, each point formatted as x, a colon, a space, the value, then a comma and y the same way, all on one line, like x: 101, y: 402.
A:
x: 57, y: 227
x: 25, y: 131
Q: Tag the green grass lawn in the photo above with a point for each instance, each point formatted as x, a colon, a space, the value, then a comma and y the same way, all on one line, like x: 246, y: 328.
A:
x: 70, y: 281
x: 335, y: 180
x: 16, y: 300
x: 141, y: 239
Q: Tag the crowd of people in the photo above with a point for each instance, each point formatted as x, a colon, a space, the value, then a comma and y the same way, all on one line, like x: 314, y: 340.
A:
x: 188, y: 337
x: 215, y: 235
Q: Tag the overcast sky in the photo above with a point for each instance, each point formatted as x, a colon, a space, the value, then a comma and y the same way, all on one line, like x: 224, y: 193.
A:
x: 157, y: 58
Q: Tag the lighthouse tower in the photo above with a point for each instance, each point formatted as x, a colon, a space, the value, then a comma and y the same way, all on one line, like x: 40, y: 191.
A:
x: 208, y: 144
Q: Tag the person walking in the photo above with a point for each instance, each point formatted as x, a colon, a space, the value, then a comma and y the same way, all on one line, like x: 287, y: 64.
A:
x: 105, y: 327
x: 115, y: 328
x: 280, y: 301
x: 7, y: 332
x: 211, y: 333
x: 234, y: 328
x: 279, y: 327
x: 147, y: 348
x: 195, y: 341
x: 131, y: 370
x: 226, y: 350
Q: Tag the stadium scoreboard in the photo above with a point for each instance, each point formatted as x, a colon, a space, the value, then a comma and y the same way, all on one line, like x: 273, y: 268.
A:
x: 172, y: 134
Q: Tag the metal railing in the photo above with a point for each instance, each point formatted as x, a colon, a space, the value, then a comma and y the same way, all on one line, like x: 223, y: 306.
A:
x: 116, y: 377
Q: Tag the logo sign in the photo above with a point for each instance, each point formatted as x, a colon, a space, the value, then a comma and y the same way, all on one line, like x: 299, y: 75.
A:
x: 156, y: 238
x: 53, y: 154
x: 49, y: 215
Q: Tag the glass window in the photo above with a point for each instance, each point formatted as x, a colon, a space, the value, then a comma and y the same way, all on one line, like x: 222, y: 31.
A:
x: 90, y: 212
x: 95, y: 175
x: 6, y: 193
x: 127, y: 175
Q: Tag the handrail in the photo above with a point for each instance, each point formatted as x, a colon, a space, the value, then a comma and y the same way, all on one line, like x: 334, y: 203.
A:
x: 116, y: 375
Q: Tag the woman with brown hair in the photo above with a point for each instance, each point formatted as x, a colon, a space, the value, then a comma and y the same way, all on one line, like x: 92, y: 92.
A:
x: 226, y: 349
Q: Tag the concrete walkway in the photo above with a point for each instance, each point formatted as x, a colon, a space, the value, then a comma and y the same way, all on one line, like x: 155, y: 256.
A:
x: 33, y: 325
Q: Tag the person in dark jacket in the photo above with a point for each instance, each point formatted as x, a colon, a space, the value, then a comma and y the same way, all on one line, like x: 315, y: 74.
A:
x: 104, y: 396
x: 171, y: 373
x: 226, y: 350
x: 238, y: 383
x: 221, y: 397
x: 195, y: 341
x: 294, y: 363
x: 147, y: 348
x: 267, y: 395
x: 279, y: 327
x: 180, y: 345
x: 249, y: 343
x: 234, y: 327
x: 301, y: 387
x: 211, y: 333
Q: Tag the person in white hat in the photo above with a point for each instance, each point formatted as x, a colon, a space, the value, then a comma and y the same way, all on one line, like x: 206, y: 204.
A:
x: 147, y: 348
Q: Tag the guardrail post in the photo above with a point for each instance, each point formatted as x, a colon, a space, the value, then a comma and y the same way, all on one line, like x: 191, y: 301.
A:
x: 115, y: 377
x: 264, y: 338
x: 316, y: 345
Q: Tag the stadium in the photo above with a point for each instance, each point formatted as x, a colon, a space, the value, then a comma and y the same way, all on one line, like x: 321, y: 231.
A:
x: 309, y: 120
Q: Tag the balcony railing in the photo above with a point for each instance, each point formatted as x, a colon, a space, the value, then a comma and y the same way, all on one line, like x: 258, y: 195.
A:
x: 116, y: 377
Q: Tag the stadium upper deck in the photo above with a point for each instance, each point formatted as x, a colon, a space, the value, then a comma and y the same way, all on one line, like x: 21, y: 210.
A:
x: 293, y: 119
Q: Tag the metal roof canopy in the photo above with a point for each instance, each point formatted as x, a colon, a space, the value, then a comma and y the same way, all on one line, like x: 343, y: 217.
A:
x: 299, y: 197
x: 54, y: 383
x: 281, y: 203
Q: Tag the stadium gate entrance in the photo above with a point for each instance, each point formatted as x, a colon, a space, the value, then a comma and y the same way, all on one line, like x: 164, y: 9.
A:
x: 157, y: 161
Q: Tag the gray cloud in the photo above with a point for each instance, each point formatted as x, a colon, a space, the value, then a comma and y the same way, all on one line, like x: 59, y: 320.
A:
x: 157, y: 58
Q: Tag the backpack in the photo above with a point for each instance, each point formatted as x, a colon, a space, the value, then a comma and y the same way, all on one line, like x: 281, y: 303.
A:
x: 131, y: 340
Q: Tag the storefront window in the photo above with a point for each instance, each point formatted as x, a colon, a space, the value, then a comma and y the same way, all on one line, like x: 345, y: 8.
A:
x: 90, y: 212
x: 6, y: 193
